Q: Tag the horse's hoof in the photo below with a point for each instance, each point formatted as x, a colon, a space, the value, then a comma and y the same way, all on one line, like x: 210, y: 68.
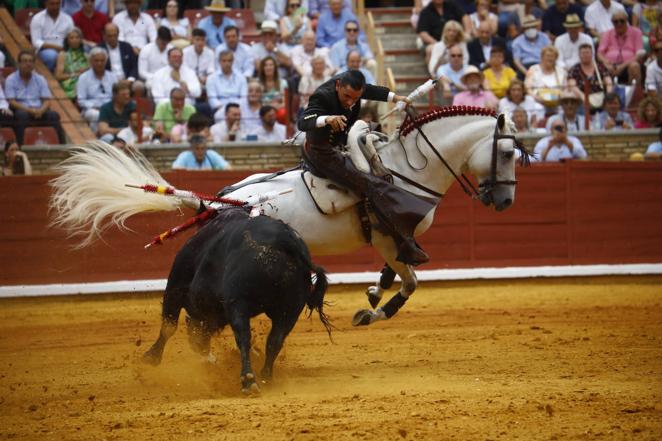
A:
x: 151, y: 358
x: 362, y: 317
x: 373, y: 297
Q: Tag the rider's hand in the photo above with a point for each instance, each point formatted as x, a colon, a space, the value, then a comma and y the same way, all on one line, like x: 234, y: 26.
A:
x: 400, y: 98
x: 336, y: 122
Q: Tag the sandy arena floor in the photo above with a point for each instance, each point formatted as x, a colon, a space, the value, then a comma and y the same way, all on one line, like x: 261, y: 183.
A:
x: 550, y: 359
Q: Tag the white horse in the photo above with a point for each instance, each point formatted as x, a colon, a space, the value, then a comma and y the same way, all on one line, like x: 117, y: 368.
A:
x: 465, y: 138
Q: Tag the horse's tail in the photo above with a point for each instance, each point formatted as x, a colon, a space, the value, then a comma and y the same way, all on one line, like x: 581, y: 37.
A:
x: 90, y: 194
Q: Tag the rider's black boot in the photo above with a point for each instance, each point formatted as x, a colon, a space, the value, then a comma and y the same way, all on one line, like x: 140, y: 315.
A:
x: 410, y: 253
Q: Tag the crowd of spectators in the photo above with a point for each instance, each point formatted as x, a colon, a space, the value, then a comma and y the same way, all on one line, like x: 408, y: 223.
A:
x: 143, y: 77
x: 558, y: 67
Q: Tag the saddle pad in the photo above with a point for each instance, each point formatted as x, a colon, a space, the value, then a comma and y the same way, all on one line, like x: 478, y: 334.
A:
x: 329, y: 197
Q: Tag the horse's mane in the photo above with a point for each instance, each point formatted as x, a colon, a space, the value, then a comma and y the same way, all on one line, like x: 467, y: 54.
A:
x: 443, y: 112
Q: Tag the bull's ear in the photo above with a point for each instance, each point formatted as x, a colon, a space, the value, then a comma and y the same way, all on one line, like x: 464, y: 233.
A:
x: 501, y: 122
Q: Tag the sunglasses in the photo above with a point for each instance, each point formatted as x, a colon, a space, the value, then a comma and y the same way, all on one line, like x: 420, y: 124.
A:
x: 559, y: 128
x: 351, y: 29
x: 456, y: 55
x: 294, y: 5
x: 619, y: 21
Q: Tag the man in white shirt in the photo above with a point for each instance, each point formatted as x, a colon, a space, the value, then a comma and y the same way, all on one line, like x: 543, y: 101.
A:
x: 598, y: 16
x: 154, y: 56
x: 199, y: 57
x: 229, y: 129
x: 270, y: 130
x: 225, y: 86
x: 95, y: 86
x: 303, y: 53
x: 250, y: 107
x: 175, y: 74
x: 136, y: 28
x: 244, y: 63
x: 568, y: 44
x: 48, y: 31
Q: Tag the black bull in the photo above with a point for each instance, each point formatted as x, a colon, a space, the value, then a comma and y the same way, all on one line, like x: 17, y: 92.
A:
x: 233, y: 269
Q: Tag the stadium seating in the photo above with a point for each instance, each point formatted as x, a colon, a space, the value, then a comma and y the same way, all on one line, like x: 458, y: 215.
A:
x: 40, y: 135
x: 23, y: 18
x: 6, y: 134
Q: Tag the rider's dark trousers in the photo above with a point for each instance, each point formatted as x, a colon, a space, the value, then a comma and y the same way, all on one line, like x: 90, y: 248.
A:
x: 398, y: 210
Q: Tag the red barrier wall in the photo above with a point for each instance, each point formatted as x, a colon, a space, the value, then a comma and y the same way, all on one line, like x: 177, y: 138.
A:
x: 575, y: 213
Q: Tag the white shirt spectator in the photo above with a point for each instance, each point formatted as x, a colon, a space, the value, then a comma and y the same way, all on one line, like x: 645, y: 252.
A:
x: 150, y: 60
x: 569, y: 50
x: 162, y: 84
x: 94, y: 92
x: 301, y: 59
x: 250, y: 120
x: 599, y: 18
x: 202, y: 64
x: 131, y: 138
x: 115, y: 58
x: 43, y: 29
x: 137, y: 34
x: 529, y: 104
x: 276, y: 135
x: 557, y: 153
x: 654, y: 78
x: 219, y: 133
x: 4, y: 104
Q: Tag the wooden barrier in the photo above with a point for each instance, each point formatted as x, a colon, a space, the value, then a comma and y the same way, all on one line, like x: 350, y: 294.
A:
x: 564, y: 214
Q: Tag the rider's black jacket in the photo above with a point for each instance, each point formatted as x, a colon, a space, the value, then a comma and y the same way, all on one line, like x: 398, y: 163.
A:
x: 325, y: 102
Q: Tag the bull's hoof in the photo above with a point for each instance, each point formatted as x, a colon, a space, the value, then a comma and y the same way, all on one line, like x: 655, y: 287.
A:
x: 363, y: 317
x: 152, y: 358
x: 374, y: 296
x: 249, y: 386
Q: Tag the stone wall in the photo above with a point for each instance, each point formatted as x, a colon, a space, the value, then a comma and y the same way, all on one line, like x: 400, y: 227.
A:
x: 600, y: 145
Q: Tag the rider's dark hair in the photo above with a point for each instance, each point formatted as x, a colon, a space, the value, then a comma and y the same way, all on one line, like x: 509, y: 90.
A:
x: 352, y: 78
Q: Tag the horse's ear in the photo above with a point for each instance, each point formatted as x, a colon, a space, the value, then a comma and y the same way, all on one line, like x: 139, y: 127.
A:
x: 501, y: 122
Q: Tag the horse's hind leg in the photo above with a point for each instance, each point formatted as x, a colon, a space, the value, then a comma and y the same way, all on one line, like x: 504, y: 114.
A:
x: 241, y: 327
x: 280, y: 328
x: 375, y: 292
x: 169, y: 317
x: 388, y: 250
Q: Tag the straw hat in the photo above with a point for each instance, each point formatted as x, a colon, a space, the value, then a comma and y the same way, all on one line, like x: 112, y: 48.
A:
x: 572, y: 21
x: 530, y: 22
x: 268, y: 26
x: 217, y: 6
x: 471, y: 70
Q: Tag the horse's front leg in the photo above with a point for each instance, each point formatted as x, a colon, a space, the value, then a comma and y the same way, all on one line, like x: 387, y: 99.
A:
x: 387, y: 248
x: 376, y: 292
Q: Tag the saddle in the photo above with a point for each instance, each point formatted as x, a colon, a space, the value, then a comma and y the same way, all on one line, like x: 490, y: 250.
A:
x: 362, y: 148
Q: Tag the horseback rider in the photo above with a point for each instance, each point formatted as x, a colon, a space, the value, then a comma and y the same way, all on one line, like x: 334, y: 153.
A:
x: 332, y: 110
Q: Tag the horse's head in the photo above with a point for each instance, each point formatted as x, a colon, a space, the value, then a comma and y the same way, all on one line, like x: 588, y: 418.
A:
x: 493, y: 164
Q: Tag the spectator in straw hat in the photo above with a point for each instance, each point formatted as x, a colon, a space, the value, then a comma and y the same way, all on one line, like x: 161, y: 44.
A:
x: 528, y: 46
x: 474, y: 95
x: 570, y: 103
x: 555, y: 16
x: 568, y: 44
x: 269, y: 46
x: 215, y: 23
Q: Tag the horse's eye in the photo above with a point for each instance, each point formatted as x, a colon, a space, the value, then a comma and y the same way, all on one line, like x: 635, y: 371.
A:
x: 509, y: 154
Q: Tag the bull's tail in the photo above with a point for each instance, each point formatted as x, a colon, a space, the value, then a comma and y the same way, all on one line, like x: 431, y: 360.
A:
x: 90, y: 194
x: 316, y: 298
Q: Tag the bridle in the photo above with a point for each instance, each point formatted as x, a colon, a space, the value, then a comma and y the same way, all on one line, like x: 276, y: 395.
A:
x: 485, y: 187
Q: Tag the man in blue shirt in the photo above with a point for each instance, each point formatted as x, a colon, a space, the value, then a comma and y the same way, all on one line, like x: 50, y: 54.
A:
x: 244, y: 63
x: 28, y: 95
x: 654, y: 150
x: 199, y: 157
x: 341, y: 48
x: 528, y: 45
x: 215, y: 23
x: 331, y: 23
x: 225, y: 86
x: 317, y: 7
